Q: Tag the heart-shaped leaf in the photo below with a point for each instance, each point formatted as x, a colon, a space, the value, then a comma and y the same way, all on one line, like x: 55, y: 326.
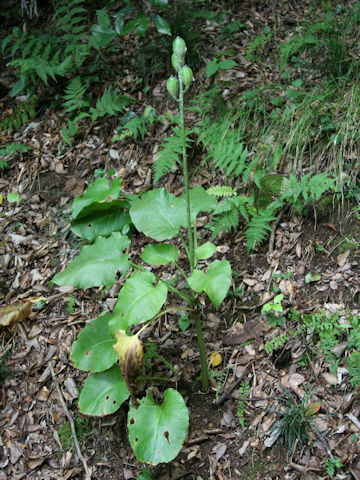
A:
x: 97, y: 264
x: 205, y: 251
x: 157, y: 432
x: 103, y: 392
x: 139, y: 300
x: 160, y: 254
x: 94, y: 347
x: 158, y: 214
x: 101, y: 219
x: 200, y: 201
x: 99, y: 191
x: 215, y: 283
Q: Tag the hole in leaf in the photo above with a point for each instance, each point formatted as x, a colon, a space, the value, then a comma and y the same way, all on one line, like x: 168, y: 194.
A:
x: 167, y: 436
x: 89, y: 225
x: 107, y: 397
x: 114, y: 402
x: 88, y: 353
x: 132, y: 421
x: 136, y: 439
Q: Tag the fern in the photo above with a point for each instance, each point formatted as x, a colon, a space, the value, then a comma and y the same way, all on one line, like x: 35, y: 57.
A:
x: 110, y: 103
x: 288, y: 50
x: 221, y: 191
x: 244, y: 389
x: 259, y: 227
x: 354, y: 369
x: 169, y: 155
x: 258, y: 42
x: 21, y: 115
x: 10, y: 151
x: 74, y: 95
x: 226, y: 214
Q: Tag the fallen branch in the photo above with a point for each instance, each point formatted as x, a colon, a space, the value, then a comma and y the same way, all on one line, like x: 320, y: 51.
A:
x: 72, y: 424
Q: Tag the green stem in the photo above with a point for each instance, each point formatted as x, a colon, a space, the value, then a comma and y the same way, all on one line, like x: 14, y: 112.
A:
x: 186, y: 175
x: 172, y: 289
x: 184, y: 245
x: 200, y: 339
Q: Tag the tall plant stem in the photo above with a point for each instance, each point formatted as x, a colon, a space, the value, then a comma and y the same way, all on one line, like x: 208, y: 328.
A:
x: 203, y: 362
x: 186, y: 174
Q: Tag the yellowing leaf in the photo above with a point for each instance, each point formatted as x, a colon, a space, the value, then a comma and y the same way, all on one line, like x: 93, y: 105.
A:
x: 14, y: 313
x: 131, y: 355
x: 312, y: 408
x: 1, y: 198
x: 215, y: 359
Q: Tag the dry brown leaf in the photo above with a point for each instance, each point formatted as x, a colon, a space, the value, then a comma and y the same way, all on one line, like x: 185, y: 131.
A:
x: 16, y: 312
x: 342, y: 258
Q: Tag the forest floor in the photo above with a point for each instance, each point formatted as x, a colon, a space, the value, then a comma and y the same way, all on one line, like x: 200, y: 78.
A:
x: 36, y: 243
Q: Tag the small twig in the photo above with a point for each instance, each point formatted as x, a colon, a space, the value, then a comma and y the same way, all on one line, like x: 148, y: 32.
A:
x: 72, y: 424
x: 232, y: 387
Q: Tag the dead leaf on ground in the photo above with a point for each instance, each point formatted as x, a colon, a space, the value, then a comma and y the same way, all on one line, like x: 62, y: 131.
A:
x: 342, y: 258
x: 16, y: 312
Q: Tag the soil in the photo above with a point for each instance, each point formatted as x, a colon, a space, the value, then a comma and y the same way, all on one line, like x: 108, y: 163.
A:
x: 36, y: 243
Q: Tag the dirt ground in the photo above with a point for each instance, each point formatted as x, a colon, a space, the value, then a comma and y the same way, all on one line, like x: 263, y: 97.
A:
x: 36, y: 243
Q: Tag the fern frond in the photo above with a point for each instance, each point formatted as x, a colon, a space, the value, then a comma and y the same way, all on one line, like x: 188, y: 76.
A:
x: 169, y: 155
x: 258, y: 228
x: 226, y: 214
x: 74, y: 94
x: 222, y: 191
x: 109, y: 104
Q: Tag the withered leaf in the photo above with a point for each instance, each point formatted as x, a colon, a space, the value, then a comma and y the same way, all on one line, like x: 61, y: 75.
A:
x: 14, y: 312
x: 131, y: 357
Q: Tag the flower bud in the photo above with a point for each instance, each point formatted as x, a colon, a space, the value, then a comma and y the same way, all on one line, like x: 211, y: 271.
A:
x: 186, y: 76
x: 176, y: 63
x: 173, y: 87
x: 179, y: 48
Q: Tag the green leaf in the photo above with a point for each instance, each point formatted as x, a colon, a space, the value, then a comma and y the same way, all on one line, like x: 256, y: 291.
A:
x: 103, y: 393
x: 200, y: 201
x: 205, y: 251
x: 101, y: 219
x: 211, y: 68
x: 215, y: 283
x: 142, y: 23
x: 158, y: 214
x: 157, y: 432
x: 312, y: 277
x: 99, y: 191
x: 97, y: 264
x: 161, y: 25
x: 159, y: 3
x: 103, y: 34
x: 160, y: 254
x: 139, y: 300
x: 225, y: 64
x: 93, y: 350
x: 13, y: 197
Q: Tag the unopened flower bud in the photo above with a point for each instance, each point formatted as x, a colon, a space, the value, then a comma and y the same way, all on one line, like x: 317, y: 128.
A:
x: 176, y: 63
x: 173, y: 87
x: 186, y: 76
x: 179, y: 48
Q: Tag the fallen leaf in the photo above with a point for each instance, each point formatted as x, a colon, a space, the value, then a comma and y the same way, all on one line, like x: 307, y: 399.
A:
x: 342, y: 258
x: 14, y: 313
x: 215, y: 359
x: 312, y: 277
x: 330, y: 378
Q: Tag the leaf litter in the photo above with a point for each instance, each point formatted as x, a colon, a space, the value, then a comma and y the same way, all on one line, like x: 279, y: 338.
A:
x: 36, y: 333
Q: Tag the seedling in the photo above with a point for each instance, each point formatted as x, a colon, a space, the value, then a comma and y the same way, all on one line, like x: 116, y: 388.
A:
x: 156, y: 432
x: 332, y: 464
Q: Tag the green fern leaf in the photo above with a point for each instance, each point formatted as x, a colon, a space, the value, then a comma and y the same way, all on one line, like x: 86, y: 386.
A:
x: 221, y: 191
x: 258, y: 228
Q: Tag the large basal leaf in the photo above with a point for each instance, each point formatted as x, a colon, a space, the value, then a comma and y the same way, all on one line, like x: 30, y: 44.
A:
x: 161, y: 24
x: 200, y: 201
x: 157, y: 432
x: 101, y: 219
x: 158, y: 214
x: 103, y: 393
x: 94, y: 348
x: 160, y: 254
x: 139, y: 300
x: 99, y: 191
x: 205, y: 251
x: 97, y: 264
x: 215, y: 283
